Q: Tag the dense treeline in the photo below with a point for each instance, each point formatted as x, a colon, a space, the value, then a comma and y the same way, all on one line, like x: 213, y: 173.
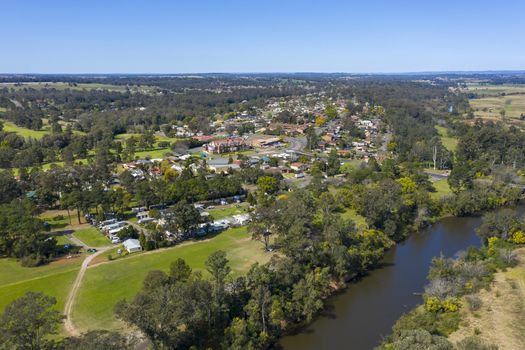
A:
x: 250, y: 312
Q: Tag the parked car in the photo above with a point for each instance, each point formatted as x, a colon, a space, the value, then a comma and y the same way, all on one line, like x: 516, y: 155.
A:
x: 115, y: 240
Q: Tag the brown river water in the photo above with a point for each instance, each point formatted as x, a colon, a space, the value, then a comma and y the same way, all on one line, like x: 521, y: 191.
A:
x: 364, y: 313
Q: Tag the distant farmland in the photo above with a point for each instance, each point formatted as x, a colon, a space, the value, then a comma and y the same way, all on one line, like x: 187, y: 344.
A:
x: 492, y: 100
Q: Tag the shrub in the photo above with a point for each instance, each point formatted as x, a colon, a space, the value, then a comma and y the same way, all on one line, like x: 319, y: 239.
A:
x: 32, y: 261
x: 474, y: 302
x: 518, y: 237
x: 435, y: 305
x: 474, y: 343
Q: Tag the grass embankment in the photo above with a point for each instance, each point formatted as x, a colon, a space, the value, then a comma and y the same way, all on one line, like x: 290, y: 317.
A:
x: 92, y: 237
x: 53, y: 279
x: 105, y: 284
x: 501, y: 318
x: 442, y: 189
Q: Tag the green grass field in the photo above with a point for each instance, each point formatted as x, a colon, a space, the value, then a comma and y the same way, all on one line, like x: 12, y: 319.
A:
x: 155, y: 153
x: 491, y: 89
x: 442, y: 189
x: 53, y: 279
x: 92, y: 237
x: 450, y: 143
x: 24, y: 132
x: 221, y: 213
x: 106, y: 284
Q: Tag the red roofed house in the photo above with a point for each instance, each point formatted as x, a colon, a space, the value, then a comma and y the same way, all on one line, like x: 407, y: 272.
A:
x: 232, y: 144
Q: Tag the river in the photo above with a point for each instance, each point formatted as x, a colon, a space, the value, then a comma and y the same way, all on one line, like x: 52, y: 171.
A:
x: 360, y: 316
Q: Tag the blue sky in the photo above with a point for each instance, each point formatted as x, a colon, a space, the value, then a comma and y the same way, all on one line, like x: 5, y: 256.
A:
x: 155, y: 36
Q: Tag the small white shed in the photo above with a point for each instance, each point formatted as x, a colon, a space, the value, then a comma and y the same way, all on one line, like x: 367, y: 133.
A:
x: 132, y: 245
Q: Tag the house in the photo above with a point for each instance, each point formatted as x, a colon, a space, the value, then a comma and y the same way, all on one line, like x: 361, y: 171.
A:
x: 299, y: 167
x: 142, y: 215
x: 231, y: 144
x: 132, y: 245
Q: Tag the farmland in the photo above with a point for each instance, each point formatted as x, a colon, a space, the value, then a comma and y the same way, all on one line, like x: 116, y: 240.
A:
x: 498, y: 102
x: 64, y: 86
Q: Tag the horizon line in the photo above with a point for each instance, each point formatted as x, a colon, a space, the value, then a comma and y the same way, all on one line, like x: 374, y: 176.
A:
x: 281, y: 72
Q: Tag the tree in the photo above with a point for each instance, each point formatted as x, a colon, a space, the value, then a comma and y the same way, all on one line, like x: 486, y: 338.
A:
x: 333, y: 163
x: 217, y: 266
x: 28, y: 321
x: 267, y: 185
x: 183, y: 217
x: 499, y: 224
x: 98, y: 339
x: 9, y: 187
x: 312, y: 140
x: 180, y: 271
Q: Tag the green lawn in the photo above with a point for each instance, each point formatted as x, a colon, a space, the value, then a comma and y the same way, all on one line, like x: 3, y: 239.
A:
x: 57, y: 219
x: 24, y: 132
x: 221, y: 213
x: 92, y: 237
x: 106, y: 284
x: 53, y: 279
x: 450, y: 143
x: 442, y: 189
x: 154, y: 153
x: 63, y: 239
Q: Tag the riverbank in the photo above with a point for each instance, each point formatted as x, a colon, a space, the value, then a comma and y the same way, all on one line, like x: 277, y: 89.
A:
x: 500, y: 319
x: 364, y: 313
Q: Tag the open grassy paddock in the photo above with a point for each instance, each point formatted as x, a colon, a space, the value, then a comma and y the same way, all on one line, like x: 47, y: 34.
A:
x: 450, y: 143
x: 24, y: 132
x: 53, y: 279
x: 107, y: 283
x: 442, y: 189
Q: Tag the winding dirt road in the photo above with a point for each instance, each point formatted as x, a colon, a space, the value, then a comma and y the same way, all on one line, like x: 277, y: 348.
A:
x: 68, y: 323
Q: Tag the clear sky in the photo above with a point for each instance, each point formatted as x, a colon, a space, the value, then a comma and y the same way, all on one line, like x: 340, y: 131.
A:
x: 156, y: 36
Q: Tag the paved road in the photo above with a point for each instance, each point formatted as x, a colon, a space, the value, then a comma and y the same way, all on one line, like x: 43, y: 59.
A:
x: 296, y: 143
